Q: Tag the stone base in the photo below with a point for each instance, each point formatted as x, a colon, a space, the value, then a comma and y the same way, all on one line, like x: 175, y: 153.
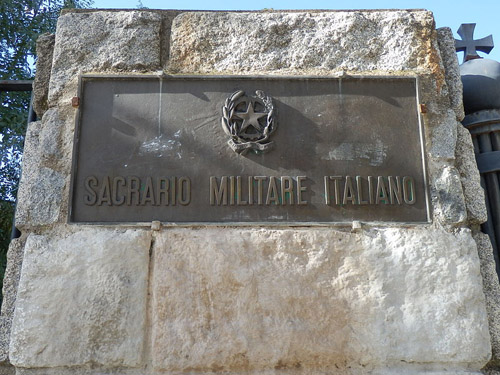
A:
x: 235, y: 300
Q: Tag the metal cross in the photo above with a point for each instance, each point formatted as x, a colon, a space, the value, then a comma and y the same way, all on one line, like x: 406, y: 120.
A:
x: 468, y: 45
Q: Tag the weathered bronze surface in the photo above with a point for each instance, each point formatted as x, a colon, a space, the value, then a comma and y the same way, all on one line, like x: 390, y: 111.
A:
x: 343, y: 149
x: 249, y: 121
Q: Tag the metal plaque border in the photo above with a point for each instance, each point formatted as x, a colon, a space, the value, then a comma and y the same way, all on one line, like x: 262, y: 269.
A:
x: 319, y: 224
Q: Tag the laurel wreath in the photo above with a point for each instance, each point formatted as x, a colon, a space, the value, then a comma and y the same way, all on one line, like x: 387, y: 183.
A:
x: 230, y: 127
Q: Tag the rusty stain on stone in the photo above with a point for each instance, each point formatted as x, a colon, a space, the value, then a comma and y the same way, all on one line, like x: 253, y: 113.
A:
x: 75, y: 101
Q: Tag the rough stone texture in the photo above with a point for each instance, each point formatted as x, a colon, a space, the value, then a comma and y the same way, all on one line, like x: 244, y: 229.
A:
x: 9, y: 292
x: 301, y: 42
x: 52, y: 136
x: 44, y: 52
x: 7, y: 370
x: 82, y: 299
x: 470, y: 178
x: 446, y: 42
x: 445, y: 136
x: 46, y: 169
x: 234, y: 300
x: 111, y: 41
x: 46, y: 197
x: 167, y: 18
x: 40, y: 188
x: 408, y: 369
x: 448, y: 197
x: 31, y: 160
x: 91, y: 370
x: 491, y: 289
x: 473, y: 193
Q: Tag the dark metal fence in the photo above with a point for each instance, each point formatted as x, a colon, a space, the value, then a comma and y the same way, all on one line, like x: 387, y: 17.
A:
x: 484, y: 127
x: 15, y: 85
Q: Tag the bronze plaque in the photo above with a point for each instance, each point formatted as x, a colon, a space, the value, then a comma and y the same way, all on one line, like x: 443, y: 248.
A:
x: 234, y: 150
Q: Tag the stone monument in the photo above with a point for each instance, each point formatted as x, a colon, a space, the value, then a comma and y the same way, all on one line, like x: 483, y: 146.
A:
x: 248, y: 192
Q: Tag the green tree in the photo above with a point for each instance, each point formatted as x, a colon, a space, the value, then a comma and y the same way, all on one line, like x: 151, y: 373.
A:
x: 21, y: 22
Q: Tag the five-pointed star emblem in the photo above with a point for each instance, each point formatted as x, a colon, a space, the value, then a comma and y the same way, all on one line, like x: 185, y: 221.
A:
x: 251, y: 118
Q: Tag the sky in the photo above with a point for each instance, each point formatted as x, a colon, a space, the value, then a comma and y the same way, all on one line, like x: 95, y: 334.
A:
x: 485, y: 13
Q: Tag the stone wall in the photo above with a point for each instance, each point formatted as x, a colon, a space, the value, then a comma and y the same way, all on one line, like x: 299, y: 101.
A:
x: 133, y: 299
